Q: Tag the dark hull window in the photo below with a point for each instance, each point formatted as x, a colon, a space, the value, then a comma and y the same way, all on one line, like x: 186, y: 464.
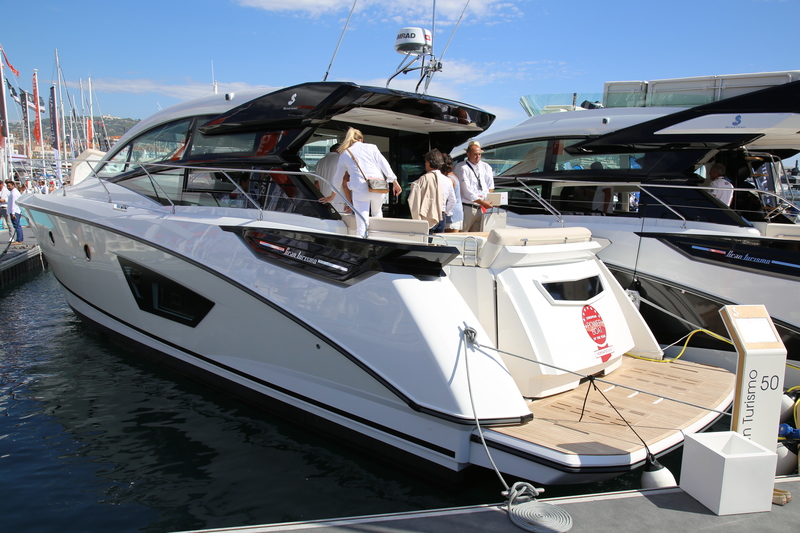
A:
x: 576, y: 291
x: 164, y: 297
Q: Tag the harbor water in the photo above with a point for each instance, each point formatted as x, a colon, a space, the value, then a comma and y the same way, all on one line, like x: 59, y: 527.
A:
x: 95, y: 439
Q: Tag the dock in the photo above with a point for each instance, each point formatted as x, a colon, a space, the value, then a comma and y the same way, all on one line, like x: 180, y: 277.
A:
x: 655, y: 511
x: 18, y: 260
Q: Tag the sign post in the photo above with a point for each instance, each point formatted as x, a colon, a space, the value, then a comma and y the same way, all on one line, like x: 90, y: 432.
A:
x: 759, y: 373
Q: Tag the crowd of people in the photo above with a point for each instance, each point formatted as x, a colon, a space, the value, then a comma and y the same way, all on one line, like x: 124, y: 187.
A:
x: 449, y: 198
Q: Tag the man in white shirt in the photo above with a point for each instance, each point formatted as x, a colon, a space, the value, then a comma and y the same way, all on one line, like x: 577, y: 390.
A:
x: 722, y: 187
x: 326, y: 167
x: 14, y: 211
x: 477, y: 180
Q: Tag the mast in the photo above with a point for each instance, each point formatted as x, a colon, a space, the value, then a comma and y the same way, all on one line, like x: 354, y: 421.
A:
x: 37, y: 125
x: 83, y: 118
x: 65, y: 151
x: 90, y: 124
x: 213, y: 78
x: 5, y: 156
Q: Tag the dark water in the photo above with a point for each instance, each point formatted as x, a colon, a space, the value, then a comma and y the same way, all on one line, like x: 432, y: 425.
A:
x: 95, y: 439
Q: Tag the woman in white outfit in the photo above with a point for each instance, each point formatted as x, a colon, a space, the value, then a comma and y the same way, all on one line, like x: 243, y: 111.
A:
x: 358, y: 158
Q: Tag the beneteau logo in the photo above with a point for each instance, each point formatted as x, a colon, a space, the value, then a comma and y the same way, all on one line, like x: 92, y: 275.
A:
x: 737, y: 121
x: 292, y: 99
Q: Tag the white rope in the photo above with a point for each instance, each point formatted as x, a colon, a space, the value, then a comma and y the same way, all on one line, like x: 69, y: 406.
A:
x: 523, y: 509
x: 531, y: 515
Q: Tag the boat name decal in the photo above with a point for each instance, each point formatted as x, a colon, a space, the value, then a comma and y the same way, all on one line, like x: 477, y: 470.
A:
x: 299, y: 256
x: 747, y: 257
x: 730, y: 254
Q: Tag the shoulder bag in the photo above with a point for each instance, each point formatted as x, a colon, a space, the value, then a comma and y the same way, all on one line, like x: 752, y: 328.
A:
x: 373, y: 184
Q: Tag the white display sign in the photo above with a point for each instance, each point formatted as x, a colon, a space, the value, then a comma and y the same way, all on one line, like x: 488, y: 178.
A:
x: 759, y: 373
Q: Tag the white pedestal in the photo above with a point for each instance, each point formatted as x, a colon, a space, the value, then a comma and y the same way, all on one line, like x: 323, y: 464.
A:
x: 728, y: 473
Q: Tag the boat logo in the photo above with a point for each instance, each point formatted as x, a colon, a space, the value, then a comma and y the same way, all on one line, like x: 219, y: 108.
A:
x: 596, y: 329
x: 737, y: 120
x: 292, y: 99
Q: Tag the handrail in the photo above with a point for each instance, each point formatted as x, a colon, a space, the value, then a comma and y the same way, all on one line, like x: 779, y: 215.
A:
x: 784, y: 203
x: 156, y: 184
x: 224, y: 171
x: 544, y: 203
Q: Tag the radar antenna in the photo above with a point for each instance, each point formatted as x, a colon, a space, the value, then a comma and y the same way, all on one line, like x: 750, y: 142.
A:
x: 417, y: 45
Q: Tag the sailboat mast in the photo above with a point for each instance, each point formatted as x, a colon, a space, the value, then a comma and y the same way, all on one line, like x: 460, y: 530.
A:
x: 4, y: 132
x: 90, y: 124
x: 67, y: 153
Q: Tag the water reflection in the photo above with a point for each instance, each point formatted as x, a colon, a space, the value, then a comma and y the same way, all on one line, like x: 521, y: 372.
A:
x: 96, y: 439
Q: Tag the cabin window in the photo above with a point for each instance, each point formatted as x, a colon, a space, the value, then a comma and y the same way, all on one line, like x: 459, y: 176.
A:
x: 164, y: 297
x: 231, y: 143
x: 164, y: 143
x: 574, y: 291
x: 565, y: 161
x: 516, y: 159
x: 163, y: 187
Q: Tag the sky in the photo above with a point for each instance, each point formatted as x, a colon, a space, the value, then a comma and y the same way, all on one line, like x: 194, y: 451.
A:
x: 146, y: 55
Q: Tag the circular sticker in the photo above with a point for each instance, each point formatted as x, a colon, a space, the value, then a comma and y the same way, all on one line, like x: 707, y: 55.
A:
x: 594, y: 324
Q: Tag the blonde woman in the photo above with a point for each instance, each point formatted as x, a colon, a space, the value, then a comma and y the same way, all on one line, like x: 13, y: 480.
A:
x: 360, y: 161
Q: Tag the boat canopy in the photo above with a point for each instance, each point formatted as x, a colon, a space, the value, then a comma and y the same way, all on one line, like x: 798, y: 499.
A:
x: 313, y: 104
x: 765, y: 119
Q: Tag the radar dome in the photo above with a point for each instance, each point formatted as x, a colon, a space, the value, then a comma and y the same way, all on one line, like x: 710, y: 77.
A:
x: 413, y: 41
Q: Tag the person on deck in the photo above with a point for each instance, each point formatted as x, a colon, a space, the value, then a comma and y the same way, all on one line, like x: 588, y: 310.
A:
x: 477, y: 180
x: 432, y: 194
x: 455, y: 219
x: 722, y: 187
x: 360, y: 161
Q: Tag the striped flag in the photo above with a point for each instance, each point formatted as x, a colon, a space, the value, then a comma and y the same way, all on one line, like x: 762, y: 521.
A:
x: 15, y: 71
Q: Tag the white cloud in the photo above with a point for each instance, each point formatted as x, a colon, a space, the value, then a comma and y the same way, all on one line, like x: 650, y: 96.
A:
x: 184, y: 91
x: 406, y: 12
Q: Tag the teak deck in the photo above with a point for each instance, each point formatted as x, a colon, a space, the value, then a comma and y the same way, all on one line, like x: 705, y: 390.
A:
x: 556, y: 422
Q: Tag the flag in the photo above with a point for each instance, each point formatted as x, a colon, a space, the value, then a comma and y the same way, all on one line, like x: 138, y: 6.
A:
x: 24, y: 102
x: 15, y: 71
x: 54, y: 126
x: 12, y: 92
x: 3, y: 118
x: 37, y: 125
x: 89, y: 134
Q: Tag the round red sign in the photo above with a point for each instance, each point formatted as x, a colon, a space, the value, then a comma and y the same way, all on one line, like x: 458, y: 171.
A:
x: 594, y: 324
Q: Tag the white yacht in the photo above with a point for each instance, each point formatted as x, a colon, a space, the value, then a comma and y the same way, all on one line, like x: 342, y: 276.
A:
x: 669, y: 238
x: 199, y: 242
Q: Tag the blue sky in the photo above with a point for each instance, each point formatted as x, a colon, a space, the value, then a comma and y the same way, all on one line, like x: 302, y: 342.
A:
x: 145, y: 54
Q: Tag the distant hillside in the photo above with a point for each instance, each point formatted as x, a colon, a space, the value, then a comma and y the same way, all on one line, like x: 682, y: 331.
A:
x: 116, y: 127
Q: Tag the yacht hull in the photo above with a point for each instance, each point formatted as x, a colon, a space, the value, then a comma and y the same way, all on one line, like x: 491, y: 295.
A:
x: 290, y: 343
x: 303, y: 347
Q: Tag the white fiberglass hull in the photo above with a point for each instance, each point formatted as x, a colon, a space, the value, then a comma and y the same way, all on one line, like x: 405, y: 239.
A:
x: 380, y: 362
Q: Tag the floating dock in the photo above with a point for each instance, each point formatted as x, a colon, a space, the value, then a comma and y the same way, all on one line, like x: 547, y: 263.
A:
x: 655, y: 511
x: 18, y: 260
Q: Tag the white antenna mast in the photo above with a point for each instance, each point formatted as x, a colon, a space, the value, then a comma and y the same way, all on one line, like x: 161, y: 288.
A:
x: 346, y: 24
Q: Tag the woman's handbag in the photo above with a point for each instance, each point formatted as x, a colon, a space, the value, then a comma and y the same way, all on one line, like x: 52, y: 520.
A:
x: 379, y: 185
